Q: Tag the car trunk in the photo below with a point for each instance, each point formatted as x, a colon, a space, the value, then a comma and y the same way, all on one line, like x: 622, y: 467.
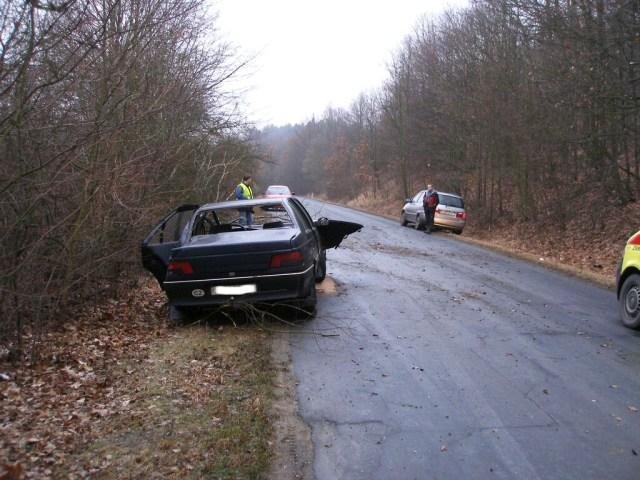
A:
x: 231, y: 254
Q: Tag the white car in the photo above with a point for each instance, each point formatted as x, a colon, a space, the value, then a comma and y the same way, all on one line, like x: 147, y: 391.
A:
x: 278, y: 192
x: 450, y: 213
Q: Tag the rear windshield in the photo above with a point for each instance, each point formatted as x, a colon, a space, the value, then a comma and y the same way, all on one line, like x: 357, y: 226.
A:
x: 451, y: 201
x: 220, y: 220
x: 277, y: 190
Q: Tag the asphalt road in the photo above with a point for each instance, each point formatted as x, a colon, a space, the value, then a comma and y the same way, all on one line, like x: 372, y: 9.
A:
x: 441, y: 360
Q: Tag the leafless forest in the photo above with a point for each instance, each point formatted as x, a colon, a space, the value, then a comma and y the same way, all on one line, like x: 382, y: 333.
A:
x: 529, y: 108
x: 112, y: 112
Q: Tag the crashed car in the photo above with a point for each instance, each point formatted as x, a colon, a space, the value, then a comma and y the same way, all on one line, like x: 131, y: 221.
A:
x: 205, y: 256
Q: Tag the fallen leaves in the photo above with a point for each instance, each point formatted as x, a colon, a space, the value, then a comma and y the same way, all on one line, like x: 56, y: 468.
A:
x: 578, y: 244
x: 11, y: 471
x: 53, y: 406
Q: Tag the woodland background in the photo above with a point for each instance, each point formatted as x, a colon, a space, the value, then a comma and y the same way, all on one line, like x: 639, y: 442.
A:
x: 112, y: 112
x: 527, y: 108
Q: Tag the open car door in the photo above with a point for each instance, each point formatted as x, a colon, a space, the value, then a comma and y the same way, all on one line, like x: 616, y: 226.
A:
x: 164, y: 237
x: 332, y: 232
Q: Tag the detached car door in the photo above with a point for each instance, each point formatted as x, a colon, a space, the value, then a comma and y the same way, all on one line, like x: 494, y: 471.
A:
x: 163, y: 238
x: 332, y: 232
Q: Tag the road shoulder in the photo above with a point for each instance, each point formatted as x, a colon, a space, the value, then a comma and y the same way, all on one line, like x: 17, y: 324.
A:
x: 602, y: 280
x: 292, y: 447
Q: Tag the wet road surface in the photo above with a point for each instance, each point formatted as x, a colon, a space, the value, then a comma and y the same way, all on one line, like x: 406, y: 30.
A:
x: 436, y: 359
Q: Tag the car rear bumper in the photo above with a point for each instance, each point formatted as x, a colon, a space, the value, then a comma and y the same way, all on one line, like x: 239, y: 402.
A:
x: 269, y: 288
x: 449, y: 222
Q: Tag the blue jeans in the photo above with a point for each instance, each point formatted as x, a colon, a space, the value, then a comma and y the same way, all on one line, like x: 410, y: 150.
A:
x: 246, y: 218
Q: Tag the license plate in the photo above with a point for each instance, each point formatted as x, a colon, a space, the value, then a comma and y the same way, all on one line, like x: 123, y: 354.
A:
x: 234, y: 289
x: 448, y: 213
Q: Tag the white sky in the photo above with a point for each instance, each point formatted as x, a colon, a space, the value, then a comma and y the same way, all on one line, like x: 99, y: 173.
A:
x: 313, y: 54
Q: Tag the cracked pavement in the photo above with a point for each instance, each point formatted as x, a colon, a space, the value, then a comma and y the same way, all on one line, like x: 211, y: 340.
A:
x: 442, y: 360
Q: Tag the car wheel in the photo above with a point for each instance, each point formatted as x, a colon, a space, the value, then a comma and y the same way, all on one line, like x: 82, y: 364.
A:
x: 457, y: 232
x: 180, y: 315
x: 630, y: 301
x: 419, y: 225
x: 306, y: 308
x: 321, y: 267
x: 177, y: 316
x: 403, y: 220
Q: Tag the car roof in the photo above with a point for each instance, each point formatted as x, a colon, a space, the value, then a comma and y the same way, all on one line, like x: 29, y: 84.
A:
x: 242, y: 203
x: 279, y: 186
x: 450, y: 194
x: 443, y: 193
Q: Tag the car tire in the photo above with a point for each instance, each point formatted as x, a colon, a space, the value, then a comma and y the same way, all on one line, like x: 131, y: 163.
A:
x: 306, y: 308
x: 321, y: 267
x: 629, y: 301
x: 180, y: 315
x: 403, y: 220
x: 457, y: 232
x: 177, y: 316
x: 419, y: 225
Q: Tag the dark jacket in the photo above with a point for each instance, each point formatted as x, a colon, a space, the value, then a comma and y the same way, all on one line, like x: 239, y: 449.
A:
x: 425, y: 199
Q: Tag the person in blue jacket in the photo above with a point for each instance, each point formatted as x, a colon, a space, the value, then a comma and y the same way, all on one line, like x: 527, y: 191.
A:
x: 244, y: 192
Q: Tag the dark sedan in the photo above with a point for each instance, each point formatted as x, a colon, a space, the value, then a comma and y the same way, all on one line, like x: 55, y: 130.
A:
x: 204, y: 256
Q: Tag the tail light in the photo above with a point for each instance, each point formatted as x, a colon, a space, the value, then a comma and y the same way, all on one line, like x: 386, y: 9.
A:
x: 438, y: 210
x: 286, y: 259
x: 462, y: 215
x: 181, y: 266
x: 635, y: 240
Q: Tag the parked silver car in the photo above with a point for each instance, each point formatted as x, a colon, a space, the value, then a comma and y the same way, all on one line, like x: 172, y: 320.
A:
x: 450, y: 213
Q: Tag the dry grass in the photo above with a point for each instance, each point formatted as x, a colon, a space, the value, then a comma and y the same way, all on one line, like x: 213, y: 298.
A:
x: 382, y: 204
x: 201, y: 411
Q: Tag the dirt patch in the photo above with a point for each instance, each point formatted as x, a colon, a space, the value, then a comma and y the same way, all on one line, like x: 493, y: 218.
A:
x: 328, y: 287
x: 292, y: 447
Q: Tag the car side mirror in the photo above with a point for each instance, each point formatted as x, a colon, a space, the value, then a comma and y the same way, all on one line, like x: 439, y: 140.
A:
x: 408, y: 200
x: 293, y: 193
x: 322, y: 222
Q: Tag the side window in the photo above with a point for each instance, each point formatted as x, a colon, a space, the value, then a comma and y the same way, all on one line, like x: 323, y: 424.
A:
x: 451, y: 201
x: 302, y: 216
x: 171, y: 228
x: 418, y: 197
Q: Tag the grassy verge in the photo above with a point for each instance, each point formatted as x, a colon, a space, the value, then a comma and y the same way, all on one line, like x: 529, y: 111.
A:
x: 199, y: 410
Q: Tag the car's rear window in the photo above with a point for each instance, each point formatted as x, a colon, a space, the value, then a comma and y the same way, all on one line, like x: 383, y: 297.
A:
x: 451, y: 201
x: 220, y: 220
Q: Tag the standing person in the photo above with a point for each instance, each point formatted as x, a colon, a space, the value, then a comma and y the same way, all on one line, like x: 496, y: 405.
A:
x: 430, y: 202
x: 244, y: 192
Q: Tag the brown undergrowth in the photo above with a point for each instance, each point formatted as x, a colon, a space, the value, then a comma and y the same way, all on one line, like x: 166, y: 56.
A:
x: 119, y: 394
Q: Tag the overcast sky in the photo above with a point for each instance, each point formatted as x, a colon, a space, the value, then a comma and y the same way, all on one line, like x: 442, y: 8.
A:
x: 313, y: 54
